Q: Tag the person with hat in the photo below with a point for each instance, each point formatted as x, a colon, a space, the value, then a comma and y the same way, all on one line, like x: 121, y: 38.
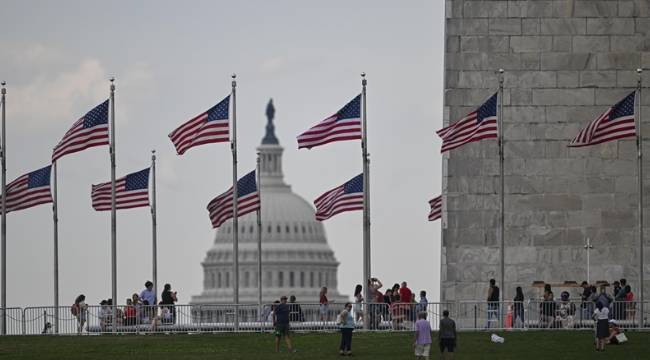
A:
x: 281, y: 324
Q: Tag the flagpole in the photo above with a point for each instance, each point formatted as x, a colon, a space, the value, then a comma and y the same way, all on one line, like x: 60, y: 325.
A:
x: 366, y: 200
x: 235, y: 223
x: 55, y: 218
x: 154, y: 233
x: 501, y: 186
x: 113, y: 213
x: 3, y: 155
x: 259, y: 237
x: 639, y: 144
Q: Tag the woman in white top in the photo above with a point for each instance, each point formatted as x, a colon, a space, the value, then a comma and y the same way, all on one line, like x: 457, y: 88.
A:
x: 358, y: 301
x: 601, y: 315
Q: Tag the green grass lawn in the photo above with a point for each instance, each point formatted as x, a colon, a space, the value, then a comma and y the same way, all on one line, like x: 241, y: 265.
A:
x: 529, y: 345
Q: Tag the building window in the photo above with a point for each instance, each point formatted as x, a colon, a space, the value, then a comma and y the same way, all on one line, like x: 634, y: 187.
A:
x: 270, y: 229
x: 320, y: 279
x: 303, y: 229
x: 247, y: 279
x: 287, y: 229
x: 211, y: 284
x: 219, y: 279
x: 291, y: 279
x: 311, y: 279
x: 243, y: 229
x: 302, y: 279
x: 250, y: 230
x: 227, y: 279
x: 279, y: 229
x: 280, y: 279
x: 269, y: 279
x: 327, y: 279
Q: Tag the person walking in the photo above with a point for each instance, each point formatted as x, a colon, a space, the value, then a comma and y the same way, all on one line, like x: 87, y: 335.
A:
x: 281, y: 324
x: 169, y: 299
x: 324, y: 305
x: 601, y: 315
x: 358, y: 302
x: 346, y: 324
x: 447, y: 337
x: 422, y: 342
x: 80, y: 310
x: 518, y: 303
x: 493, y: 303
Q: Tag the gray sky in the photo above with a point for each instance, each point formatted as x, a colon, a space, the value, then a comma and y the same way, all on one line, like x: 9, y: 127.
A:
x: 174, y: 62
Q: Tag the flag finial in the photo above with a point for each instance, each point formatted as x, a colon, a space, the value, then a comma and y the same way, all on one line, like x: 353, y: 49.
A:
x: 153, y: 154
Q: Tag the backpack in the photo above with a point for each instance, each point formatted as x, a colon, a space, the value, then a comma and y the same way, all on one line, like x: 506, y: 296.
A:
x: 74, y: 309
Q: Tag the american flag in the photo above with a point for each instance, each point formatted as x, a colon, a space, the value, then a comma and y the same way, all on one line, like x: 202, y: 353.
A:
x: 130, y: 191
x: 436, y: 208
x: 344, y: 125
x: 29, y: 190
x: 248, y: 200
x: 91, y: 130
x: 347, y: 197
x: 615, y: 123
x: 208, y: 127
x: 478, y: 125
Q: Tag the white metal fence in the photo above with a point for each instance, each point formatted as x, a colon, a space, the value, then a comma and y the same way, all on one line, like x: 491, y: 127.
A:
x: 469, y: 315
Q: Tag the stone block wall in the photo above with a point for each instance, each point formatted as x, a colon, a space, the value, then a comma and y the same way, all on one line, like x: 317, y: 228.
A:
x: 565, y: 62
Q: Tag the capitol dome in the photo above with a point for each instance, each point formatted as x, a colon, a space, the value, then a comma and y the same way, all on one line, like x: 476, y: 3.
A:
x: 296, y: 259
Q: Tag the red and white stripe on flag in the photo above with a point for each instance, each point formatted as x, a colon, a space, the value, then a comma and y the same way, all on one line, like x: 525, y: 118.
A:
x: 124, y: 199
x: 436, y: 208
x: 29, y: 190
x: 615, y: 123
x: 220, y: 208
x: 211, y: 126
x: 478, y: 125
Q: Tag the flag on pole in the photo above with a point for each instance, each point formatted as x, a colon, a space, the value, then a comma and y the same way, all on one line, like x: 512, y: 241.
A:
x: 131, y: 191
x: 436, y: 208
x: 91, y: 130
x: 615, y: 123
x: 344, y: 125
x: 347, y: 197
x: 248, y: 200
x: 29, y: 190
x: 208, y: 127
x: 478, y: 125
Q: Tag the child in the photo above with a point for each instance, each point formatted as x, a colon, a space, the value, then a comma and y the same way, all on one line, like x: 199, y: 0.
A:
x: 422, y: 341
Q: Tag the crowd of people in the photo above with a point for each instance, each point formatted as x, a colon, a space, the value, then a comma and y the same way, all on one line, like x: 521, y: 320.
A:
x: 139, y: 309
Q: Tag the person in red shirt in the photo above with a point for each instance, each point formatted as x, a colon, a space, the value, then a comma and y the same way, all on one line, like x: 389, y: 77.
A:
x: 405, y: 295
x: 129, y: 313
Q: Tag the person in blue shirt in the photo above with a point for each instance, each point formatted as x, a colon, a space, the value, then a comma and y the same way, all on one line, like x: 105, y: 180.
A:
x: 346, y: 324
x: 281, y: 324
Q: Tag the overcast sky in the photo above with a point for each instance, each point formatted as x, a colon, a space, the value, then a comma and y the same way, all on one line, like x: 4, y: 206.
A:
x: 172, y: 62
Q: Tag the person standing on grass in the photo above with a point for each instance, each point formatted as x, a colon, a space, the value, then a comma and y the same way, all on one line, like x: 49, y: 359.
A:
x: 447, y: 336
x: 601, y: 315
x: 358, y: 302
x: 281, y: 324
x: 346, y: 324
x: 422, y: 342
x: 80, y: 311
x: 323, y: 308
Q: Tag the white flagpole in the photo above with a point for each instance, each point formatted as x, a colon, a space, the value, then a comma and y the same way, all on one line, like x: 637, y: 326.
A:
x: 3, y: 155
x: 113, y: 212
x: 154, y: 231
x: 501, y: 188
x: 235, y: 223
x: 639, y: 142
x: 366, y: 201
x: 55, y: 218
x: 259, y: 237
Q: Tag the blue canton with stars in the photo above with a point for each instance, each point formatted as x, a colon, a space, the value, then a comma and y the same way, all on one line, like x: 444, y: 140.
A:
x: 354, y: 186
x: 219, y: 111
x: 624, y: 107
x: 97, y: 116
x: 137, y: 180
x: 247, y: 184
x: 351, y: 110
x: 40, y: 177
x: 488, y: 109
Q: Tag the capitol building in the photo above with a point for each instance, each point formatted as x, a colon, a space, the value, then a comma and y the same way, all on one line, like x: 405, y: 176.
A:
x: 296, y: 259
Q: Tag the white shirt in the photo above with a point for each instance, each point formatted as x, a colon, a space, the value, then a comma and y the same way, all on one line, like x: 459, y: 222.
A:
x: 601, y: 314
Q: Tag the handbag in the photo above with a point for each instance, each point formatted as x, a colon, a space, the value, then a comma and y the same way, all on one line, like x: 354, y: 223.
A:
x: 621, y: 338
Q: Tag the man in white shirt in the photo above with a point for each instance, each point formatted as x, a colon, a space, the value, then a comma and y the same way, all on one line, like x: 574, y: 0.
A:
x: 148, y: 294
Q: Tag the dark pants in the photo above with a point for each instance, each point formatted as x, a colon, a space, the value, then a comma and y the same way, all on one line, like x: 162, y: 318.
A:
x: 346, y: 339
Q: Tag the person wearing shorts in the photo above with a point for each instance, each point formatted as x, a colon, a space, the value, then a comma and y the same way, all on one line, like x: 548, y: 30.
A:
x: 281, y: 324
x: 447, y: 336
x: 422, y: 342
